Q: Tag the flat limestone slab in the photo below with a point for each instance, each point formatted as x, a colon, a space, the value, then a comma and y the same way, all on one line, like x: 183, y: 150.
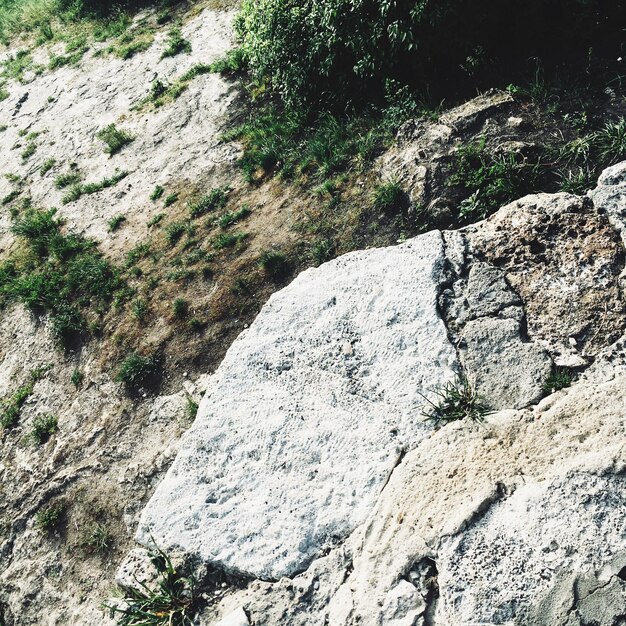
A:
x: 308, y: 414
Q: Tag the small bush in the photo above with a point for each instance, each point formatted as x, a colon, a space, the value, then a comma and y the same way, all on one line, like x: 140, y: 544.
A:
x: 139, y: 309
x: 456, y: 400
x: 114, y: 139
x: 234, y: 62
x: 44, y: 426
x: 276, y: 266
x: 229, y: 240
x: 192, y: 409
x: 137, y: 371
x: 174, y: 231
x: 175, y: 44
x: 78, y: 190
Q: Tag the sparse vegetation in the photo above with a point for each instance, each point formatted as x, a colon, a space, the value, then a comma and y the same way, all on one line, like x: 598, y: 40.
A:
x: 11, y: 406
x: 172, y: 602
x: 44, y: 426
x: 230, y: 218
x: 62, y: 274
x: 456, y: 400
x: 215, y: 199
x: 389, y: 198
x: 114, y: 139
x: 175, y: 44
x: 80, y: 189
x: 275, y: 265
x: 137, y: 372
x: 97, y: 538
x: 192, y: 409
x: 559, y: 379
x: 115, y: 222
x: 49, y: 519
x: 229, y: 240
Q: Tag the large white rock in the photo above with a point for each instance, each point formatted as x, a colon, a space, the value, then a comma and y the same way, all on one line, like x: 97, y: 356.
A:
x: 309, y: 414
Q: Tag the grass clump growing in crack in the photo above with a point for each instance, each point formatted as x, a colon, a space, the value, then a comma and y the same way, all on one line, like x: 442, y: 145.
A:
x: 170, y: 199
x: 157, y: 193
x: 47, y: 165
x: 456, y: 400
x: 560, y: 378
x: 171, y: 602
x: 49, y: 519
x: 180, y: 307
x: 44, y: 426
x: 229, y: 240
x: 114, y: 139
x: 389, y: 198
x: 65, y: 180
x: 175, y: 44
x: 230, y: 218
x: 77, y: 378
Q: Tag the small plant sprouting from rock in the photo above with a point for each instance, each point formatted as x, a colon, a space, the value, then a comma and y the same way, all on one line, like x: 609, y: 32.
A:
x: 170, y: 601
x: 97, y: 538
x: 559, y: 379
x: 77, y: 378
x: 157, y: 193
x: 115, y: 222
x: 49, y: 519
x: 456, y: 400
x: 114, y: 139
x: 192, y: 409
x: 44, y: 426
x: 176, y: 44
x: 389, y: 198
x: 11, y: 407
x: 170, y: 199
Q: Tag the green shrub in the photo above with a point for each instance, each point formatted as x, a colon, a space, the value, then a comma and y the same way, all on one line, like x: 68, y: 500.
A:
x: 65, y: 180
x: 115, y: 222
x: 340, y: 50
x: 230, y: 218
x: 114, y: 139
x: 157, y: 193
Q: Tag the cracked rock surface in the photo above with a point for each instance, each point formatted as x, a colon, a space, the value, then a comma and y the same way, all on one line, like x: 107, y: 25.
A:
x: 310, y: 470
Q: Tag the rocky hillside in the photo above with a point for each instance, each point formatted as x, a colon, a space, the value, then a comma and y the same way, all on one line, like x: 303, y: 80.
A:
x: 208, y: 419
